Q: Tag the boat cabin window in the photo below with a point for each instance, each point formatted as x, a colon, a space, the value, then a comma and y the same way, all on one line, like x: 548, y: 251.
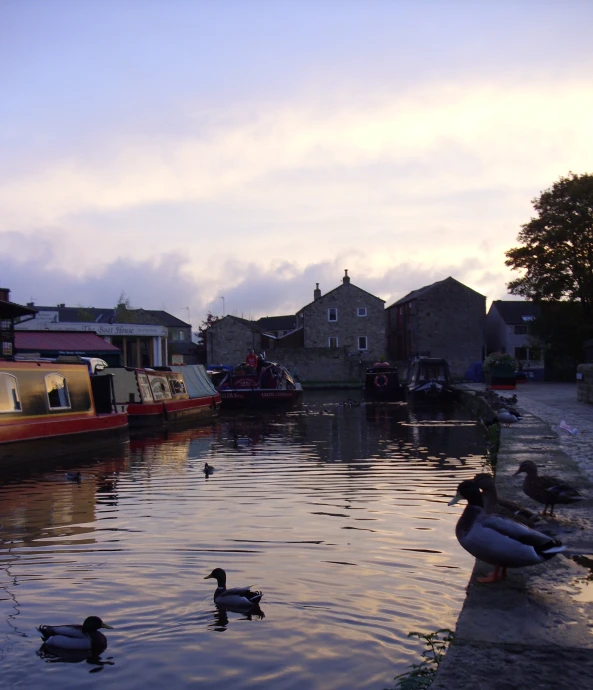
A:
x: 361, y: 311
x: 57, y: 392
x: 362, y: 342
x: 332, y: 342
x: 332, y: 314
x: 177, y: 386
x: 10, y: 400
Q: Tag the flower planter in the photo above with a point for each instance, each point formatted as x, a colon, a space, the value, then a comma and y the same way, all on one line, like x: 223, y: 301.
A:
x: 501, y: 377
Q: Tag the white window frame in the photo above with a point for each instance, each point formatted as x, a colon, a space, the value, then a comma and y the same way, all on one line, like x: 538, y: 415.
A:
x: 361, y: 311
x: 10, y: 386
x: 332, y: 311
x: 366, y: 342
x: 330, y: 343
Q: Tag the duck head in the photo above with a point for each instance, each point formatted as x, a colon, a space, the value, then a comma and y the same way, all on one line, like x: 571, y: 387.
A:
x: 219, y: 575
x: 469, y: 490
x: 527, y: 466
x: 93, y: 623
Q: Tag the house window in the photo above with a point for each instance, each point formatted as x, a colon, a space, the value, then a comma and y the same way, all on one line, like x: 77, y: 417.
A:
x: 332, y: 314
x: 10, y: 400
x: 362, y: 342
x: 332, y: 342
x: 361, y: 311
x: 57, y: 392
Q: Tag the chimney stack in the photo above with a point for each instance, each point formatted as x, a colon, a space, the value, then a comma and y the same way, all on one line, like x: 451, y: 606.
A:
x: 346, y: 278
x: 5, y: 294
x: 316, y: 292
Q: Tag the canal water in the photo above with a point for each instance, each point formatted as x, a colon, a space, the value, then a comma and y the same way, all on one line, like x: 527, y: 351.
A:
x: 336, y: 511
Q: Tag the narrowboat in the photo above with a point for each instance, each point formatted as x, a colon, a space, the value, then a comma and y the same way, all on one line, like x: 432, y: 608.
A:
x: 267, y: 385
x: 382, y: 383
x: 163, y: 396
x: 50, y: 408
x: 428, y: 378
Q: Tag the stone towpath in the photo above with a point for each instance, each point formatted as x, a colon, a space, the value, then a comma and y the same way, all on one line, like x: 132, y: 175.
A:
x: 534, y: 630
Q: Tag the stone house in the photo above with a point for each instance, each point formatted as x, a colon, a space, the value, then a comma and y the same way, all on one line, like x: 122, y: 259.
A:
x: 508, y: 330
x: 333, y: 339
x: 445, y: 319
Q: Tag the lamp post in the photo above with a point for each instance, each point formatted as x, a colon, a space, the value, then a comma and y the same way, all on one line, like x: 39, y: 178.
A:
x: 222, y: 298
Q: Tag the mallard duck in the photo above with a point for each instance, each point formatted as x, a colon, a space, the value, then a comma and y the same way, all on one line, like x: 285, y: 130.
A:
x: 502, y: 506
x: 75, y: 637
x: 545, y: 489
x: 237, y: 598
x: 208, y: 469
x: 506, y: 417
x: 497, y: 540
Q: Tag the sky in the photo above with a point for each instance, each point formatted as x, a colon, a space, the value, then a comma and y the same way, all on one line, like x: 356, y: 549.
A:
x: 224, y: 157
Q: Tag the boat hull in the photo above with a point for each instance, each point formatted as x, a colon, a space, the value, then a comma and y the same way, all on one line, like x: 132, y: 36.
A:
x: 146, y: 415
x: 382, y: 384
x: 260, y: 397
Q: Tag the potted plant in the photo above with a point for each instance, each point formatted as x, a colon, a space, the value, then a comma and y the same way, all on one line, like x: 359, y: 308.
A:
x: 500, y: 371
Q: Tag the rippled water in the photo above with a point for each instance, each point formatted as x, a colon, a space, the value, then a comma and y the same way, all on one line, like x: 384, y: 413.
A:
x: 338, y: 514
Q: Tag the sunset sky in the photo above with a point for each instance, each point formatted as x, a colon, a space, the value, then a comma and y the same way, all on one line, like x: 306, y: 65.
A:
x: 182, y: 151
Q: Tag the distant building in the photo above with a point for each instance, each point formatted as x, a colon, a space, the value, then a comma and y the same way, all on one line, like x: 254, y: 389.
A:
x: 508, y: 329
x: 444, y: 319
x: 141, y: 336
x: 10, y: 312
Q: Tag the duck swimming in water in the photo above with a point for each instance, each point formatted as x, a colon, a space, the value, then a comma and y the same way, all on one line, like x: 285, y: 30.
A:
x: 496, y: 540
x: 236, y: 598
x: 75, y: 637
x: 208, y: 469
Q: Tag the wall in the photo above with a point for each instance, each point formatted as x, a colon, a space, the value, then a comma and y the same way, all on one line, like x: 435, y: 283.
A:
x: 450, y: 322
x: 347, y: 299
x: 322, y: 366
x: 228, y: 340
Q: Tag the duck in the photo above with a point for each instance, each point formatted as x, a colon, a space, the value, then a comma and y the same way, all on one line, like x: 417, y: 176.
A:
x: 75, y: 637
x: 236, y: 598
x: 208, y: 469
x: 73, y: 476
x: 506, y: 417
x: 497, y: 540
x: 546, y: 489
x: 494, y: 504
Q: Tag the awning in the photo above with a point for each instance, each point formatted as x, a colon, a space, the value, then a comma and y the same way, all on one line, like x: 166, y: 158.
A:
x: 61, y: 341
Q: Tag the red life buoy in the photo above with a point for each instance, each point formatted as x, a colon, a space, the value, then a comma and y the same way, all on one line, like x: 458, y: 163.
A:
x: 381, y: 381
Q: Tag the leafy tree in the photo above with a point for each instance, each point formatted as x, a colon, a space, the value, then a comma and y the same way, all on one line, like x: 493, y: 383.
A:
x: 557, y: 251
x: 201, y: 333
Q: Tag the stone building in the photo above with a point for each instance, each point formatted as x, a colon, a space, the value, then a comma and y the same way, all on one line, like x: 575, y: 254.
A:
x: 445, y: 319
x: 508, y: 330
x: 333, y: 339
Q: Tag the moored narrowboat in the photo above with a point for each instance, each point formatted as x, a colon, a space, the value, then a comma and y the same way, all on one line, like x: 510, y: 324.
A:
x: 382, y: 383
x: 266, y: 385
x: 164, y: 395
x: 50, y: 408
x: 428, y: 378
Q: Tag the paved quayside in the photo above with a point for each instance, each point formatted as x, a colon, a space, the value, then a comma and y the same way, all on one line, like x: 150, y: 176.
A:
x: 534, y: 631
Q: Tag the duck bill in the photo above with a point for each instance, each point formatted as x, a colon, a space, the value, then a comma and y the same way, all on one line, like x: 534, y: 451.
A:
x: 208, y: 576
x: 109, y: 627
x: 455, y: 499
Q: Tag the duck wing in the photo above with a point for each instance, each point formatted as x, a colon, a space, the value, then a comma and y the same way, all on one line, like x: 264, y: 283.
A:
x: 71, y: 631
x: 560, y: 490
x: 500, y: 541
x: 238, y: 596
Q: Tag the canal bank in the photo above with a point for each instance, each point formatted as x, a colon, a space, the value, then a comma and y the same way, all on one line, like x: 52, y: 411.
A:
x: 535, y: 629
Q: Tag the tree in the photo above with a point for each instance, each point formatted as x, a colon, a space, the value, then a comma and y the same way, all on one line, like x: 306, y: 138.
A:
x: 557, y: 251
x: 201, y: 333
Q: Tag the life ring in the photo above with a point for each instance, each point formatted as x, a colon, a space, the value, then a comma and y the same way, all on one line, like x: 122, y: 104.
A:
x: 381, y: 380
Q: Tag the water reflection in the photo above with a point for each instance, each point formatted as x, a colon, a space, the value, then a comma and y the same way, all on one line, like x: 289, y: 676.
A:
x: 337, y: 511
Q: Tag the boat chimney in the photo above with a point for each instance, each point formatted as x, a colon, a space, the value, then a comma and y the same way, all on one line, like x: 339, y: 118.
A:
x: 346, y: 278
x: 5, y: 294
x: 316, y: 292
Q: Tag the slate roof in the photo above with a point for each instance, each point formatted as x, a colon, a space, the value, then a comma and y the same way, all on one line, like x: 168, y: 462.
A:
x: 277, y: 323
x: 513, y: 311
x: 37, y: 341
x: 154, y: 317
x: 12, y: 310
x: 415, y: 294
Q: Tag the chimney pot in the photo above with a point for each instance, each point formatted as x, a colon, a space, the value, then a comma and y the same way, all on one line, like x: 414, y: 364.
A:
x: 346, y: 278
